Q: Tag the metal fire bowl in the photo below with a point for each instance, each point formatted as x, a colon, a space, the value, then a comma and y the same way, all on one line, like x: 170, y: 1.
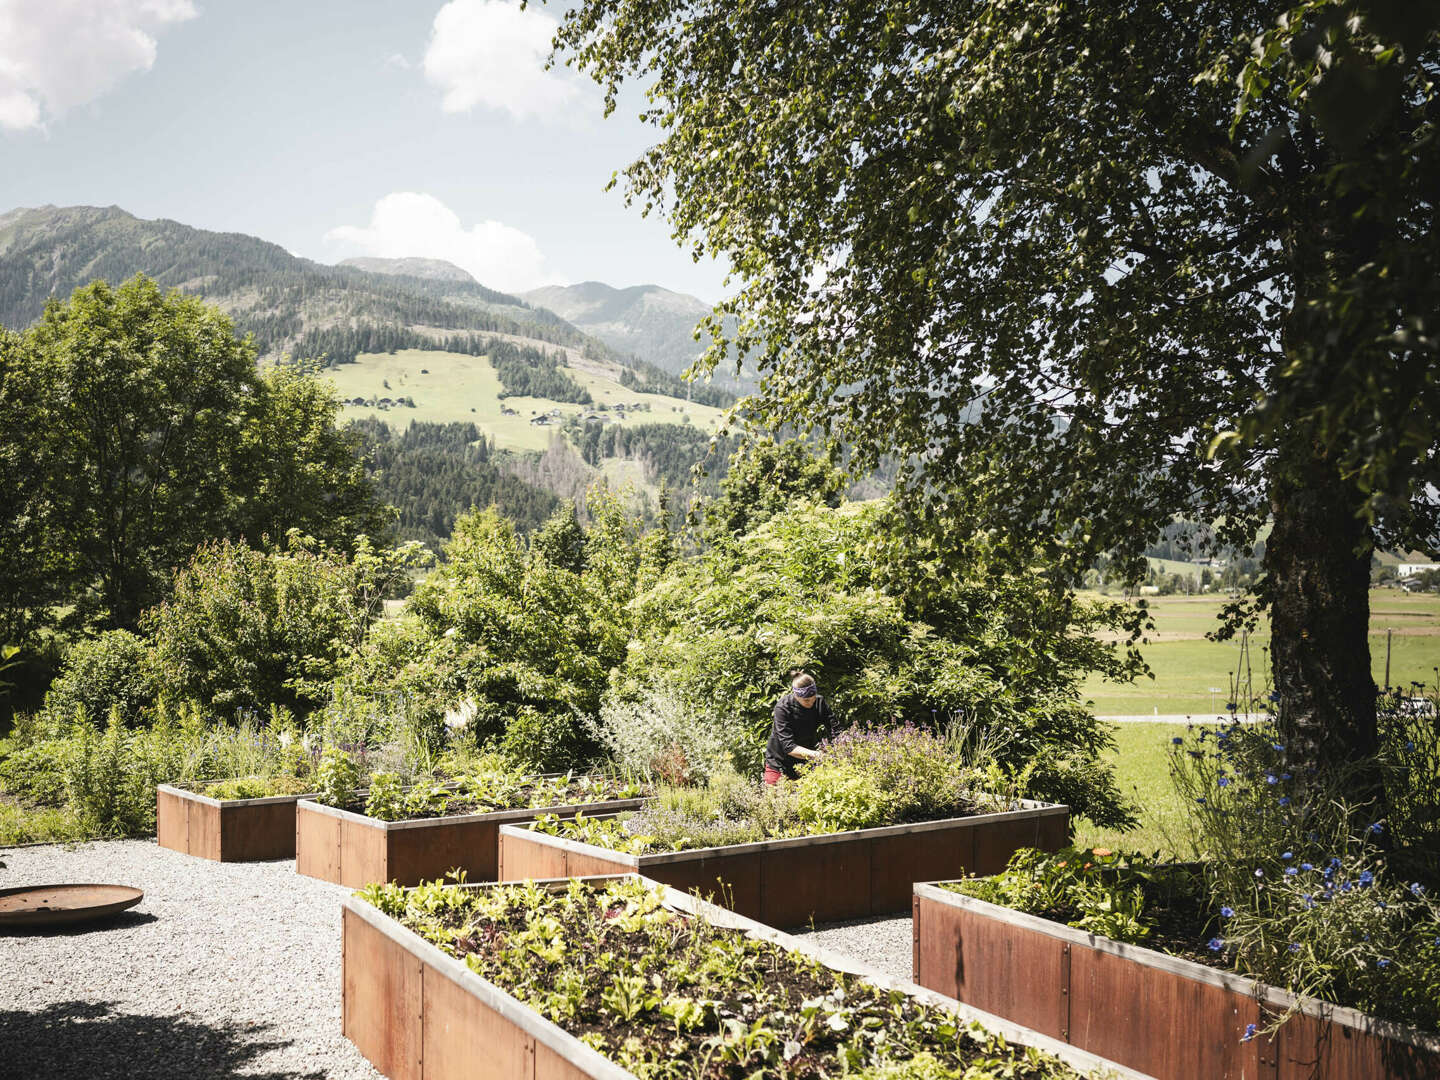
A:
x: 54, y: 905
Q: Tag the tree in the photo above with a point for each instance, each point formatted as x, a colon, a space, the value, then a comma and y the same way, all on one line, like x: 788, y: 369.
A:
x: 764, y: 477
x: 1041, y: 253
x: 144, y: 430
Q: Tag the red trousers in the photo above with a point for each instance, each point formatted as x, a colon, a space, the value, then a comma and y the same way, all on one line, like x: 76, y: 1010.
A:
x: 773, y: 776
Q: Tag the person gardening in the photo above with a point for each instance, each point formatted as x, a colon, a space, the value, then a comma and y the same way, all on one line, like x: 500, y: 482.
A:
x: 794, y: 735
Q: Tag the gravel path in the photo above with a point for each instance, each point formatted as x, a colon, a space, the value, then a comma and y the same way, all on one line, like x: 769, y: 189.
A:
x: 223, y: 970
x: 885, y: 943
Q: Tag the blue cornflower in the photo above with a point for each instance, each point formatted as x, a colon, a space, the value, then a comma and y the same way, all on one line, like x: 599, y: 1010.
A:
x: 1346, y: 886
x: 1381, y: 904
x: 1306, y: 866
x: 1284, y: 800
x: 1334, y: 860
x: 1366, y: 877
x: 1417, y: 888
x: 1375, y: 827
x: 1177, y: 740
x: 1287, y: 855
x: 1290, y: 871
x: 1271, y: 778
x: 1309, y: 901
x: 1201, y: 800
x: 1284, y: 776
x: 1226, y: 912
x: 1250, y: 1030
x: 1215, y: 944
x: 1277, y: 746
x: 1383, y: 962
x: 1230, y: 705
x: 1294, y: 946
x: 1224, y: 781
x: 1410, y: 744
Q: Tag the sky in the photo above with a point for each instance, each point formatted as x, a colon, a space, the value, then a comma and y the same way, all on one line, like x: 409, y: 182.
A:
x: 335, y: 128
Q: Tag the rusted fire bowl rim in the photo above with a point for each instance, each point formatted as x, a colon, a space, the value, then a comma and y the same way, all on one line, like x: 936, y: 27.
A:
x: 54, y: 905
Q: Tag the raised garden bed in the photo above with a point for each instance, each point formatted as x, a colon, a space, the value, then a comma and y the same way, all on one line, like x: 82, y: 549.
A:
x: 1151, y: 1011
x: 353, y: 849
x: 418, y: 1011
x: 227, y: 830
x: 789, y: 882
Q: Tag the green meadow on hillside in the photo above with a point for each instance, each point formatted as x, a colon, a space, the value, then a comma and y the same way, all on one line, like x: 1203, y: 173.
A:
x: 1187, y: 666
x: 452, y: 387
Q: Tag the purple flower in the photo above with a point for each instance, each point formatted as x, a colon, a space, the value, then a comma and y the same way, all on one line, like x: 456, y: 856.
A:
x: 1215, y: 944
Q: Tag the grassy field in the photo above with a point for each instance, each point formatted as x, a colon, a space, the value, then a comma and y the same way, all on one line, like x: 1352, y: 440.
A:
x: 1141, y: 767
x: 449, y: 387
x: 1187, y: 666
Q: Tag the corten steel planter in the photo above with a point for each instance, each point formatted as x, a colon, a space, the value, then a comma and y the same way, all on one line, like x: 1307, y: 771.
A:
x: 417, y: 1013
x: 354, y: 850
x: 227, y: 830
x: 1154, y: 1012
x: 827, y: 878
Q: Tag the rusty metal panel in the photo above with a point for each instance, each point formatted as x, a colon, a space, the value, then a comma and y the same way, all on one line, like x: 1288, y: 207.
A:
x: 985, y: 964
x: 997, y: 840
x: 464, y: 1038
x: 584, y: 864
x: 897, y: 862
x: 819, y: 882
x: 551, y: 1066
x: 732, y: 880
x: 171, y: 828
x: 1159, y: 1022
x: 317, y: 843
x: 250, y: 833
x: 1054, y: 832
x: 364, y: 853
x: 1313, y: 1046
x: 202, y: 820
x: 522, y: 858
x: 432, y: 850
x: 381, y: 1011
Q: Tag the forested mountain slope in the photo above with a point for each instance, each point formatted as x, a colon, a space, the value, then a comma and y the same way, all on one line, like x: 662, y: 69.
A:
x: 290, y: 304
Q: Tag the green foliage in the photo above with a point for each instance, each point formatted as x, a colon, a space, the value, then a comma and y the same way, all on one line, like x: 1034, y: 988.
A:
x: 255, y: 787
x: 247, y: 629
x: 765, y: 478
x: 891, y: 634
x: 336, y: 777
x: 560, y: 542
x: 385, y: 799
x: 147, y: 431
x: 109, y: 671
x: 110, y: 775
x: 965, y: 232
x: 656, y: 990
x: 1113, y: 894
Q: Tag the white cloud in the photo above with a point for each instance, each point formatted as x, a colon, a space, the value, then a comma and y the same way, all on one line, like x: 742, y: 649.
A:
x: 57, y: 54
x: 396, y: 61
x: 491, y: 54
x: 409, y: 224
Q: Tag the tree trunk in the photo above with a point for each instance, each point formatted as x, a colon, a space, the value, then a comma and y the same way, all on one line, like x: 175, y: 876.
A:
x: 1317, y: 563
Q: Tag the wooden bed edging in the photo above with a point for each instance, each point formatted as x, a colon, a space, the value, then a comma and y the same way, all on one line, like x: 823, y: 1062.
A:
x: 227, y: 830
x: 417, y: 1013
x: 826, y: 878
x: 354, y: 850
x: 1146, y: 1009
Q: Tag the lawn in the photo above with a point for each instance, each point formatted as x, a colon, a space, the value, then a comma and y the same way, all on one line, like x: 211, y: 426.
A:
x: 452, y: 387
x: 1195, y: 676
x: 1142, y: 770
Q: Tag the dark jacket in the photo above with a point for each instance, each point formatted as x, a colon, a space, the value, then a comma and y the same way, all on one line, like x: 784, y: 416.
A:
x: 795, y: 725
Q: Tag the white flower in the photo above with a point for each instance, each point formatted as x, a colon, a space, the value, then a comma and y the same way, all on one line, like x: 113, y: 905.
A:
x: 450, y: 632
x: 458, y: 718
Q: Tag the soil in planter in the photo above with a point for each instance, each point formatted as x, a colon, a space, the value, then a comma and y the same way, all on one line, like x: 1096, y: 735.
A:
x: 665, y: 994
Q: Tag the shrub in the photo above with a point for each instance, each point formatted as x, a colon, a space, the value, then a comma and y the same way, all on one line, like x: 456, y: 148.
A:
x: 337, y: 777
x: 663, y: 737
x: 109, y: 671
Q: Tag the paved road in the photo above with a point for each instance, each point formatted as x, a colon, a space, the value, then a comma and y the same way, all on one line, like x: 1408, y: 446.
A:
x: 1181, y: 718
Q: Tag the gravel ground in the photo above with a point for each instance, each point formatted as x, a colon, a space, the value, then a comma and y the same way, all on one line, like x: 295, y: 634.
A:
x: 223, y: 970
x: 885, y: 943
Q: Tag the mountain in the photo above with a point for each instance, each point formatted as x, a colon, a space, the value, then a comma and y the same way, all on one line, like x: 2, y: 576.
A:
x: 291, y: 305
x: 429, y: 269
x: 646, y: 321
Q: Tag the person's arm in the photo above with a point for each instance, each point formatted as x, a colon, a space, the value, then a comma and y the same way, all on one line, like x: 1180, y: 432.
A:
x: 788, y: 746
